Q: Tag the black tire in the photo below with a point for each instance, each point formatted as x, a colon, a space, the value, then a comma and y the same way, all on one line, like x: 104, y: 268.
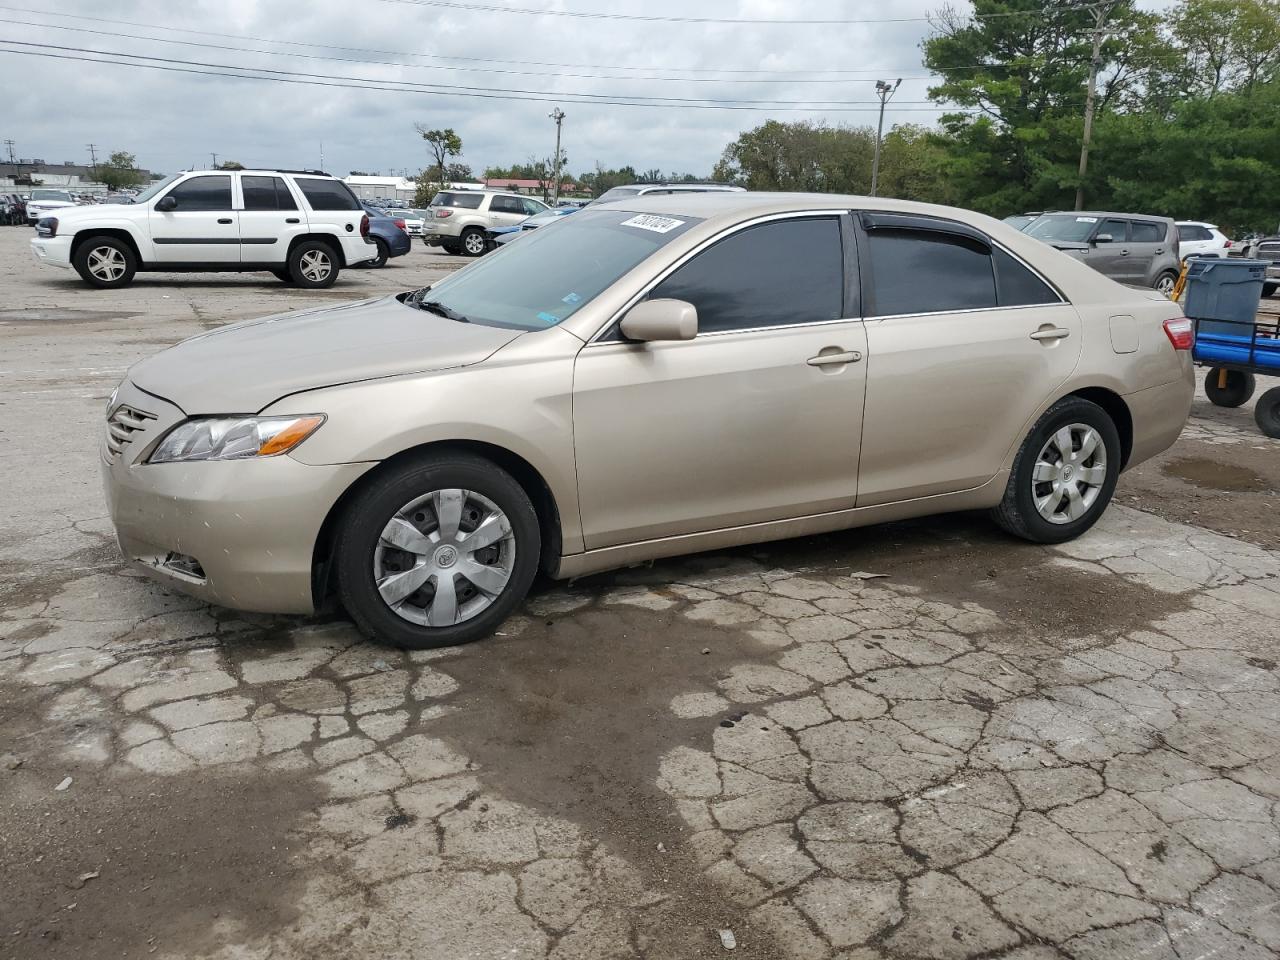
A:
x: 1239, y: 387
x: 1169, y: 278
x: 284, y: 276
x: 472, y: 242
x: 307, y: 256
x: 1269, y: 289
x: 392, y: 489
x: 1267, y: 413
x: 383, y: 253
x: 451, y: 248
x: 1017, y: 513
x: 105, y: 255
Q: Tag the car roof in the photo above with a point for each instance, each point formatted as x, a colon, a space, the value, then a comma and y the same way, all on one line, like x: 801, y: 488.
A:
x: 1105, y: 213
x: 1197, y: 223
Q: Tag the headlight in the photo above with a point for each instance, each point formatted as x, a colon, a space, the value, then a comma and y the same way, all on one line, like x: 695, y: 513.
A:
x: 234, y: 438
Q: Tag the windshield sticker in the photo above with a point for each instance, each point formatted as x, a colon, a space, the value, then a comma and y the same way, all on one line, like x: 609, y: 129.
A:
x: 647, y: 221
x: 548, y: 317
x: 1086, y: 219
x: 571, y: 298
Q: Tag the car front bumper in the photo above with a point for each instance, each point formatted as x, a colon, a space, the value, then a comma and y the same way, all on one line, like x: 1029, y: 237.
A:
x: 238, y: 533
x: 54, y: 251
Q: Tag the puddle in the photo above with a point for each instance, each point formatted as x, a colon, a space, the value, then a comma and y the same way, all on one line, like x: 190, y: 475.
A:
x: 1212, y: 475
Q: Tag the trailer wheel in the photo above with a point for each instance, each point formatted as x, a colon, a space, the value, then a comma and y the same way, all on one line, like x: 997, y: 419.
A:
x: 1229, y: 388
x: 1267, y: 413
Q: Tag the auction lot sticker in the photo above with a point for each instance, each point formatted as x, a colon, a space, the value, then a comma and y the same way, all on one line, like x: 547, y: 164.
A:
x: 647, y: 221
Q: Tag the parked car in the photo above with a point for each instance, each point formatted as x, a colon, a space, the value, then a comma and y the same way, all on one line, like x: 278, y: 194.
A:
x: 498, y: 236
x: 1267, y: 248
x: 1196, y: 239
x: 13, y: 209
x: 1023, y: 220
x: 388, y: 234
x: 457, y: 219
x: 44, y: 202
x: 304, y: 226
x: 646, y: 189
x: 413, y: 219
x: 657, y: 376
x: 1130, y: 248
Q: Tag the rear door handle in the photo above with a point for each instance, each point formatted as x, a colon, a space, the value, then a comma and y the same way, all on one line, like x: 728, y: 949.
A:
x: 224, y: 220
x: 851, y: 356
x: 1051, y: 333
x: 1124, y: 253
x: 292, y: 220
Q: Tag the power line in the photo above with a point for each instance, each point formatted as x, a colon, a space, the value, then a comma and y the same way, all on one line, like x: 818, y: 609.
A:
x: 384, y: 87
x: 438, y: 87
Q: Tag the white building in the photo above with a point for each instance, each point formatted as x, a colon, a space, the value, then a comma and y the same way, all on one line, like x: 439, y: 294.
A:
x: 393, y: 188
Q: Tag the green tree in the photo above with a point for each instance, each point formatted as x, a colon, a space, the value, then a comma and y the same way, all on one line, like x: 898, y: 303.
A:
x: 1226, y: 44
x: 120, y: 170
x: 800, y: 155
x: 442, y: 145
x: 458, y: 173
x: 231, y: 165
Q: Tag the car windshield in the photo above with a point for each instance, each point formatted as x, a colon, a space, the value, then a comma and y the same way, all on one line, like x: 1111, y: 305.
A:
x: 155, y: 188
x: 1067, y: 227
x: 551, y: 274
x: 546, y: 216
x: 50, y: 195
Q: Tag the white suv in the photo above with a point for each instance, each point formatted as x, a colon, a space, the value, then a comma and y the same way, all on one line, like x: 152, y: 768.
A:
x: 304, y: 226
x: 457, y: 219
x: 44, y: 201
x: 1196, y: 239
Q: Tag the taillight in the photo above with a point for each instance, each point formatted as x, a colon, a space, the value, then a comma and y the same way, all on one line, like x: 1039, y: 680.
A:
x: 1180, y: 332
x: 364, y: 225
x: 443, y: 214
x: 1227, y: 245
x: 399, y: 223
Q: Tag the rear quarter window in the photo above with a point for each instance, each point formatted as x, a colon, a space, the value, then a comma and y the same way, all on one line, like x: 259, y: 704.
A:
x: 327, y: 194
x: 467, y: 201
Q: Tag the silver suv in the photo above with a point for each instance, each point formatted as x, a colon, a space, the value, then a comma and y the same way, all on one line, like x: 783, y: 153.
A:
x: 1268, y: 248
x: 457, y: 219
x: 650, y: 189
x: 1133, y: 249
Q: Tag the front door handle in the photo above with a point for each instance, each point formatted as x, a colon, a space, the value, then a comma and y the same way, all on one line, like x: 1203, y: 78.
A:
x: 1124, y: 253
x: 224, y: 219
x: 1051, y: 333
x: 822, y: 359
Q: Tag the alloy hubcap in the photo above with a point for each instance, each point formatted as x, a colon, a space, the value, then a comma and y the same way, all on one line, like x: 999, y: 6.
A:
x: 445, y: 557
x: 1069, y: 473
x: 106, y: 263
x: 474, y: 243
x: 315, y: 265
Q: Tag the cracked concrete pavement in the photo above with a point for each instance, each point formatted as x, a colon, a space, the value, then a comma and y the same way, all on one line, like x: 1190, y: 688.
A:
x: 988, y: 749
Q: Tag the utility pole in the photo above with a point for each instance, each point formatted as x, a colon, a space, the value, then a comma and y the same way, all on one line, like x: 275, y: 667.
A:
x: 1100, y: 13
x: 9, y: 146
x: 214, y: 158
x: 884, y: 90
x: 558, y: 116
x: 93, y: 157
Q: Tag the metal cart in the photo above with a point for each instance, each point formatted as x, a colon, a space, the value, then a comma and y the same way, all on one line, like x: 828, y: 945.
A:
x: 1236, y: 353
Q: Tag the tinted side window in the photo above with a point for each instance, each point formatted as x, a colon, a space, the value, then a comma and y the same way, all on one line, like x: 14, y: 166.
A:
x: 770, y: 275
x: 263, y: 193
x: 1146, y: 232
x: 915, y: 271
x: 469, y: 201
x: 1118, y: 229
x: 532, y: 207
x: 327, y: 194
x: 1189, y: 233
x: 284, y: 199
x: 506, y: 205
x: 1016, y: 286
x: 203, y: 193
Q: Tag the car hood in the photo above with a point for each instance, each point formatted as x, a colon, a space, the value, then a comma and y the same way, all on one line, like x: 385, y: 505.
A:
x: 246, y: 366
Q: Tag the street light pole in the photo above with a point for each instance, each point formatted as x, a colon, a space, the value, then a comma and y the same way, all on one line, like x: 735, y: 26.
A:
x: 884, y: 91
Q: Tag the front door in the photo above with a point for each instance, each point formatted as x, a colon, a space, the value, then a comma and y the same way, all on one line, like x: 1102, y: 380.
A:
x: 756, y: 419
x: 202, y: 228
x: 1113, y: 258
x: 506, y: 211
x: 965, y: 344
x: 269, y: 220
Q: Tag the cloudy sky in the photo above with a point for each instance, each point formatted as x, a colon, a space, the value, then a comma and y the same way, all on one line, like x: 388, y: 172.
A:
x: 516, y: 65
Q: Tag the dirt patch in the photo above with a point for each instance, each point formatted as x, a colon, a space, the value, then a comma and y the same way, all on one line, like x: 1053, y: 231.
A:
x: 177, y: 859
x: 61, y: 315
x: 572, y: 717
x: 1214, y: 475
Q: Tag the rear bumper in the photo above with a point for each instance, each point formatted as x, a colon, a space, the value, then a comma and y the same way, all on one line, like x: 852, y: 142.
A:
x: 1159, y: 413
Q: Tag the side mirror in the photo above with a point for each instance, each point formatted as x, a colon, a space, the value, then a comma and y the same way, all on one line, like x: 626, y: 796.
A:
x: 661, y: 320
x: 165, y: 204
x: 1103, y: 238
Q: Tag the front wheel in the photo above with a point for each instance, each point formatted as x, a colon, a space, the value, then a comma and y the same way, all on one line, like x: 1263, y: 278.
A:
x: 1229, y: 388
x: 1063, y: 475
x: 1267, y: 413
x: 105, y: 262
x: 313, y: 265
x: 437, y: 551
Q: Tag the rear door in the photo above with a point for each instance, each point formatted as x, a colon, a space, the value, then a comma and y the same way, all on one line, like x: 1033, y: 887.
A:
x: 964, y: 343
x: 204, y: 226
x: 269, y: 219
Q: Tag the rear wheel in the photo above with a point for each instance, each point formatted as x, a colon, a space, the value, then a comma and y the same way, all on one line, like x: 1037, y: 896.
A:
x: 1064, y: 474
x: 473, y: 242
x: 451, y: 248
x: 1229, y: 388
x: 1267, y: 413
x: 313, y: 264
x: 1166, y: 281
x: 437, y: 551
x: 105, y: 262
x: 383, y: 253
x: 1269, y: 289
